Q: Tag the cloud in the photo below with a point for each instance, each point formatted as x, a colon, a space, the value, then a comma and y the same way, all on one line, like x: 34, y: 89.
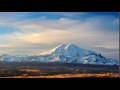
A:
x: 89, y: 33
x: 1, y: 24
x: 6, y: 17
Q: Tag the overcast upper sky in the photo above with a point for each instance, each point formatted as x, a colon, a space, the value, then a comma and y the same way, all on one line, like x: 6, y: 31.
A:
x: 35, y: 32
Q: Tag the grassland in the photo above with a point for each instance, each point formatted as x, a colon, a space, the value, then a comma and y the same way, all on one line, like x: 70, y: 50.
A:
x: 56, y: 70
x: 107, y: 75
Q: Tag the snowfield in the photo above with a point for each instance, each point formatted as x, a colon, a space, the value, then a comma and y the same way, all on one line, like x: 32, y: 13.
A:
x: 64, y: 54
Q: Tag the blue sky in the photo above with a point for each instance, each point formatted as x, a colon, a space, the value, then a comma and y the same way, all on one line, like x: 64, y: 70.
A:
x: 35, y: 32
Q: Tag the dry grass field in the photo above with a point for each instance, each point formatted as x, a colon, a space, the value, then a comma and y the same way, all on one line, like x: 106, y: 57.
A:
x: 107, y: 75
x: 56, y: 70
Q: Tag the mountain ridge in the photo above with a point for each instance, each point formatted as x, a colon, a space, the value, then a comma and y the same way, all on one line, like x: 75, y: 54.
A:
x: 65, y: 54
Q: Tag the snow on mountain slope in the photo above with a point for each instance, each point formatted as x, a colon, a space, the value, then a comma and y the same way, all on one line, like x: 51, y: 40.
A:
x: 65, y: 53
x: 59, y: 49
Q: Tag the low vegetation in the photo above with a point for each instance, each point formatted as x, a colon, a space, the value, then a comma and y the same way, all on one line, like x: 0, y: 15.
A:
x: 107, y: 75
x: 56, y: 70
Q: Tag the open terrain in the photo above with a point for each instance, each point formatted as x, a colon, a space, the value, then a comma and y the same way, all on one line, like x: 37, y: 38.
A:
x: 56, y: 70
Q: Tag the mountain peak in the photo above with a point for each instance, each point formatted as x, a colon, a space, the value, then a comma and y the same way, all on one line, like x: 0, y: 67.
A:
x: 65, y: 49
x: 62, y: 45
x: 59, y: 48
x: 71, y: 45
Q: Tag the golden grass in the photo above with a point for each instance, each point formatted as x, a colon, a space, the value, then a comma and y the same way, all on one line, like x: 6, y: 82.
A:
x: 29, y: 70
x: 106, y: 75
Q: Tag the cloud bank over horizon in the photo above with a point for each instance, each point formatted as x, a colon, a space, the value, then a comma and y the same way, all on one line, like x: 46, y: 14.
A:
x: 35, y: 32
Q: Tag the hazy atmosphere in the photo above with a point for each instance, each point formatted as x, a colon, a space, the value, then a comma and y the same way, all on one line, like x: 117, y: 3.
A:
x: 28, y: 33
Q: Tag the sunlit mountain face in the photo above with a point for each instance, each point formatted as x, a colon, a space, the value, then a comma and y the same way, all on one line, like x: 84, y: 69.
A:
x: 64, y: 54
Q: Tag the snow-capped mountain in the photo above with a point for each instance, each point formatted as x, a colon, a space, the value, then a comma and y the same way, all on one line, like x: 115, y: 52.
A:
x: 65, y: 54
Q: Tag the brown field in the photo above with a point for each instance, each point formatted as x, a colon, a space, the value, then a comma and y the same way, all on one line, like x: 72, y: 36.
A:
x: 107, y: 75
x: 56, y: 70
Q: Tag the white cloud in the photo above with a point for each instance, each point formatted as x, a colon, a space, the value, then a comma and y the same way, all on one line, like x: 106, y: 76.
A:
x: 87, y: 34
x: 1, y: 24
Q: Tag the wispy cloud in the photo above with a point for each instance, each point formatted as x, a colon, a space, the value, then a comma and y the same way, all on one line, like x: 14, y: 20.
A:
x: 89, y: 33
